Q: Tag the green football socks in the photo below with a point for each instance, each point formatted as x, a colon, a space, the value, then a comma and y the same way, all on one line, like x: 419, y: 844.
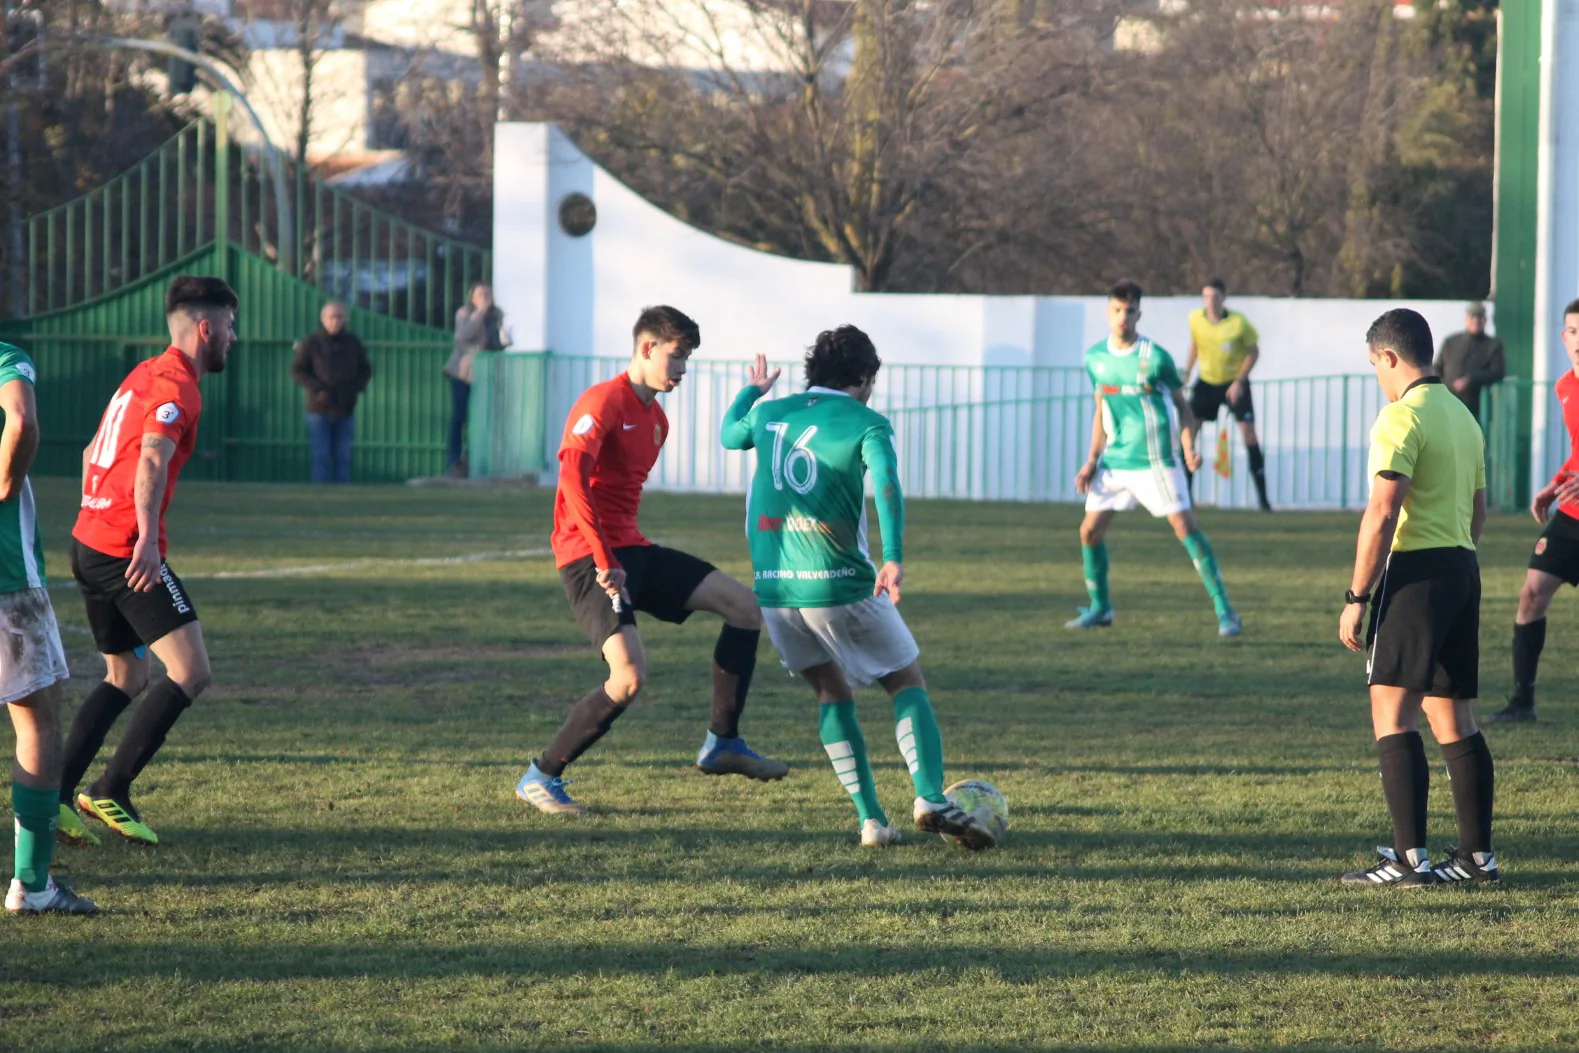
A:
x: 37, y: 812
x: 916, y: 728
x: 1094, y: 559
x: 1200, y: 551
x: 846, y: 746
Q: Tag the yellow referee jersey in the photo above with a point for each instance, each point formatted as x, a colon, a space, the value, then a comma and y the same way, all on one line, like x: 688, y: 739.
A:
x: 1430, y: 436
x: 1221, y: 347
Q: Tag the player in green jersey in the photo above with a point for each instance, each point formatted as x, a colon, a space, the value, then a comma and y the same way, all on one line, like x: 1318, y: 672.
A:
x: 1142, y: 439
x: 830, y: 614
x: 34, y: 662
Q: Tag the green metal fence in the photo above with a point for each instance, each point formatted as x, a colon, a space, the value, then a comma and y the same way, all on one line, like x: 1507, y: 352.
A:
x: 253, y: 426
x: 1006, y: 433
x: 201, y: 190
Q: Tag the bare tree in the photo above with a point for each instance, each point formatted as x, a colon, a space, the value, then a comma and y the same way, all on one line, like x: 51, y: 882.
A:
x: 826, y: 125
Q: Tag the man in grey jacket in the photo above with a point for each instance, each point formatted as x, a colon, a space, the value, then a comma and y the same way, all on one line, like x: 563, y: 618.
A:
x: 333, y: 366
x: 1472, y: 360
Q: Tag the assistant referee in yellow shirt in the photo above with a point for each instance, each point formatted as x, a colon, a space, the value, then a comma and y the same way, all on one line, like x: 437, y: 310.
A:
x: 1227, y: 347
x: 1415, y: 567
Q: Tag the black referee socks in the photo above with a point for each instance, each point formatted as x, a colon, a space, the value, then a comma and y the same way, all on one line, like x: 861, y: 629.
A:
x: 1474, y: 780
x: 1528, y: 641
x: 1406, y: 783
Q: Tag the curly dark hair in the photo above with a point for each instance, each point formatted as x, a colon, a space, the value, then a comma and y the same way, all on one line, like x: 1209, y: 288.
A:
x: 666, y: 325
x: 841, y: 358
x: 1126, y: 291
x: 198, y: 291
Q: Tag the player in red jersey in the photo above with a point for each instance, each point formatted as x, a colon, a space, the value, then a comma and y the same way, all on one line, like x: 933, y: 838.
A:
x: 610, y: 571
x: 135, y: 601
x: 1556, y: 557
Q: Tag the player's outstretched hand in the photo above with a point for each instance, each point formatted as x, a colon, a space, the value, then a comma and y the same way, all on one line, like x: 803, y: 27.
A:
x: 889, y: 578
x: 142, y: 573
x: 1349, y: 626
x: 1084, y: 478
x: 760, y: 376
x: 1541, y: 504
x: 612, y: 581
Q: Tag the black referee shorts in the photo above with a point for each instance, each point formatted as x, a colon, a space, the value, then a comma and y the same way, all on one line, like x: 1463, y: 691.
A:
x: 658, y: 581
x: 1557, y: 551
x: 1207, y: 400
x: 122, y: 619
x: 1425, y: 625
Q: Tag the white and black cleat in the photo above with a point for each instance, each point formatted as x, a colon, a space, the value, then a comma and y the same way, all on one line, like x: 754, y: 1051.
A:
x: 1469, y: 868
x: 54, y: 898
x: 1392, y: 872
x: 952, y: 821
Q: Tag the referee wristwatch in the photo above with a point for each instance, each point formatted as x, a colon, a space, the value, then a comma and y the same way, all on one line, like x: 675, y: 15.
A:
x: 1349, y: 597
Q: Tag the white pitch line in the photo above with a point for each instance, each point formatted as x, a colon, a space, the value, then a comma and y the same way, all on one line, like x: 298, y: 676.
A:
x: 364, y: 564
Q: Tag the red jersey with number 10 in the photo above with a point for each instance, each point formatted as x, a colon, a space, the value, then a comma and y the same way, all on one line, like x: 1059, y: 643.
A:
x: 159, y: 397
x: 1568, y: 396
x: 595, y: 511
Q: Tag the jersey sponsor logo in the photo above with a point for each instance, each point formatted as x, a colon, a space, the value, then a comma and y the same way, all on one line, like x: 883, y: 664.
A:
x: 1127, y: 389
x: 584, y: 425
x: 807, y: 575
x: 792, y: 524
x: 27, y: 371
x: 627, y: 427
x: 96, y: 504
x: 169, y: 413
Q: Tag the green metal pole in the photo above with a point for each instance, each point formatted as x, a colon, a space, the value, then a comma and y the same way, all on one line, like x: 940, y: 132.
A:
x: 222, y: 184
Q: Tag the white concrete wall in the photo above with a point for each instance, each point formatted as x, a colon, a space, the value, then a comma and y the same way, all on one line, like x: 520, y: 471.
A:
x: 579, y: 296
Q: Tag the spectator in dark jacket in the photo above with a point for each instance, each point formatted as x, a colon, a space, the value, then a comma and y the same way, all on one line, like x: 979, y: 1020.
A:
x: 332, y: 365
x: 1472, y: 360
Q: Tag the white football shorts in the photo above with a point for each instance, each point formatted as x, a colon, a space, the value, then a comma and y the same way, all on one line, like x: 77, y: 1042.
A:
x: 1161, y: 491
x: 31, y: 657
x: 867, y: 639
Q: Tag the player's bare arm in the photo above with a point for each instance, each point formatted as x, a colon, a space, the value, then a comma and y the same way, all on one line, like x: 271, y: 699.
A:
x: 1236, y: 390
x: 1375, y: 541
x: 19, y: 440
x: 1192, y: 459
x: 153, y: 475
x: 1088, y: 471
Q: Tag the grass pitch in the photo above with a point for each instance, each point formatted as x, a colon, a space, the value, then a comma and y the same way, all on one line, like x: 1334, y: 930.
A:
x: 345, y: 866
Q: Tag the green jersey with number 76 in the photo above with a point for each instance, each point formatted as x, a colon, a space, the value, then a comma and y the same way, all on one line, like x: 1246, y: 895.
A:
x: 806, y: 511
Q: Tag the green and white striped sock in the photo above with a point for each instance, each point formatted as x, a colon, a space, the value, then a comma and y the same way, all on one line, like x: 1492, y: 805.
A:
x: 846, y: 746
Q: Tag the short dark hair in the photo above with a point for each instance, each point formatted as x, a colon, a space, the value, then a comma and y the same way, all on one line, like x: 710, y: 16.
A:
x: 1218, y: 284
x: 1572, y: 308
x: 668, y: 325
x: 1406, y: 332
x: 192, y: 290
x: 841, y: 358
x: 1126, y: 291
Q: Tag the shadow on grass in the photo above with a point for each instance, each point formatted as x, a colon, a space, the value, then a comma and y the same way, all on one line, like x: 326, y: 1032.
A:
x: 514, y: 857
x: 83, y: 965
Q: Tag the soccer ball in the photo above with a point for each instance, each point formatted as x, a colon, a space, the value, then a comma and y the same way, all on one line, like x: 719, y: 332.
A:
x: 983, y: 800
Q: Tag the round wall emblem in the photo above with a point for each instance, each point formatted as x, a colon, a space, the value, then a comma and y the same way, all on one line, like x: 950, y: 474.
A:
x: 577, y: 215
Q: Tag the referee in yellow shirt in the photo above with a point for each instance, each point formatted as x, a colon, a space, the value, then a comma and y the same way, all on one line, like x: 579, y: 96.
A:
x: 1227, y: 347
x: 1415, y: 567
